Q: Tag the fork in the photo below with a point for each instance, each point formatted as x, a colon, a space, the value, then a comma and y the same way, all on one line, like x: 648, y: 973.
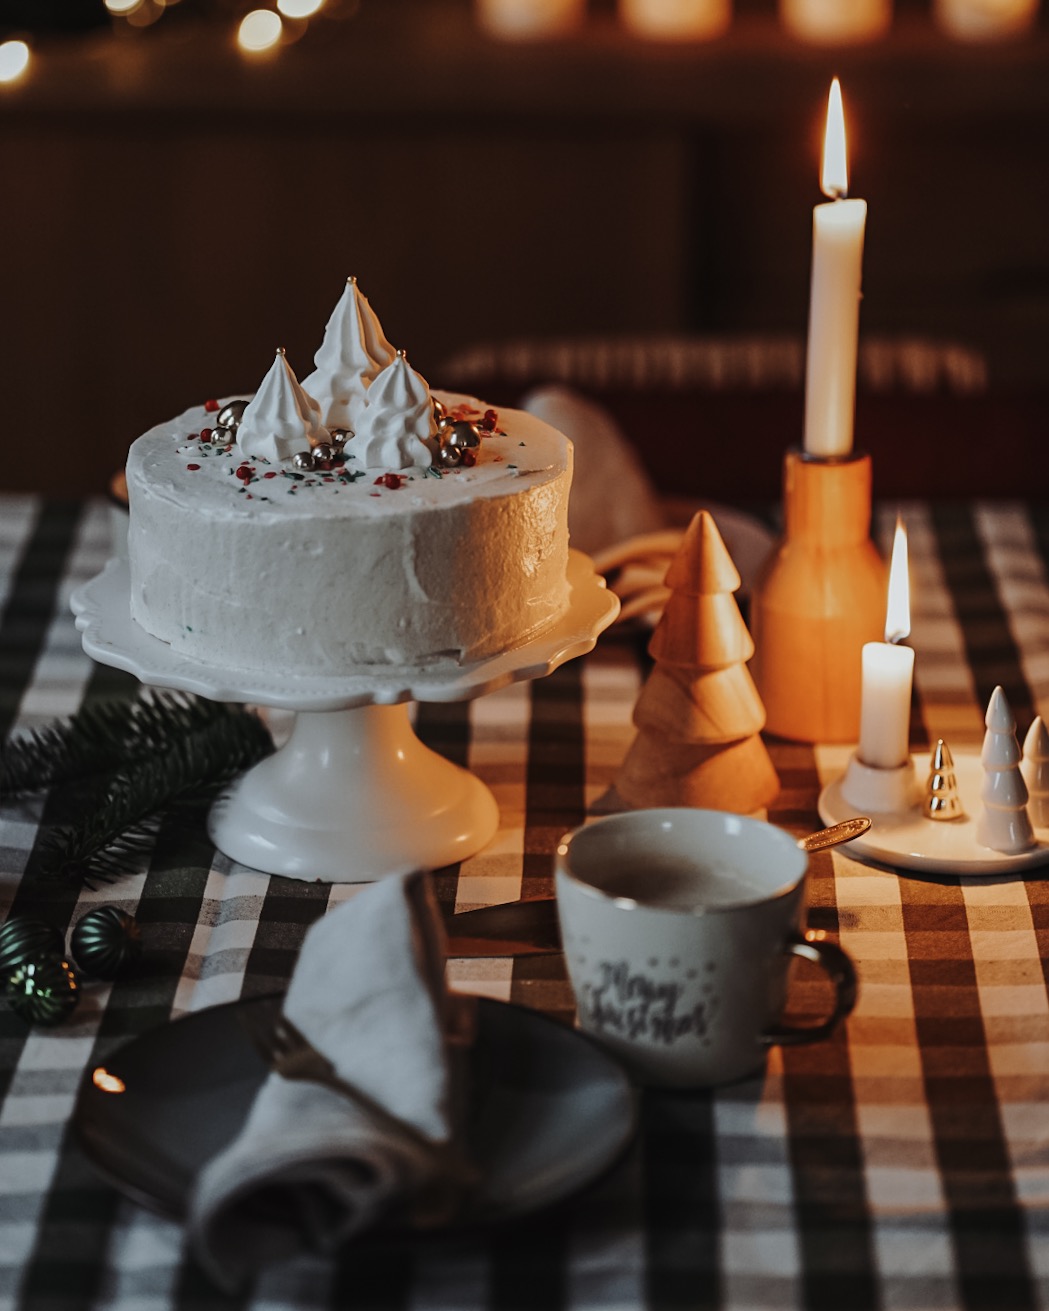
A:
x: 288, y: 1052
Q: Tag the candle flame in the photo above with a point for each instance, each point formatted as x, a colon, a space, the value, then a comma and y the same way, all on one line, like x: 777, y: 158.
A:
x: 898, y: 610
x: 834, y: 180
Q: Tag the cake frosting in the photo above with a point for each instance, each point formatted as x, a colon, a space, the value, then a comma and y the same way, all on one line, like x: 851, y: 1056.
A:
x: 397, y: 427
x: 249, y: 562
x: 353, y: 353
x: 280, y: 419
x: 349, y: 522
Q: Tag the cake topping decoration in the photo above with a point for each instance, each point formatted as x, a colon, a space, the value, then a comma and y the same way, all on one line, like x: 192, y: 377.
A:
x: 351, y: 356
x: 281, y: 418
x: 459, y: 440
x: 228, y: 418
x: 397, y: 428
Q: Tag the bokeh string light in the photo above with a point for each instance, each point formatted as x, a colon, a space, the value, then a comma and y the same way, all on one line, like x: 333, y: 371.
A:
x: 299, y: 8
x: 253, y: 29
x: 14, y: 60
x: 259, y: 31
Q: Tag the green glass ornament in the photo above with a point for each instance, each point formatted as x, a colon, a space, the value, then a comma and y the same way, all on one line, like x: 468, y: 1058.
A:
x: 106, y: 942
x: 23, y: 938
x: 43, y: 991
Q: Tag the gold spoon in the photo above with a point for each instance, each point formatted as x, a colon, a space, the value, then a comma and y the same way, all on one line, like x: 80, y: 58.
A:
x: 530, y: 928
x: 830, y: 837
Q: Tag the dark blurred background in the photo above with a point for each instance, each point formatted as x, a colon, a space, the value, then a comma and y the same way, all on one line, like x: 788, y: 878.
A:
x: 173, y: 209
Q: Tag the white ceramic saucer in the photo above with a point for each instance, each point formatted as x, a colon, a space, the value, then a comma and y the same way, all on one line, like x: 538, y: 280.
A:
x: 905, y: 839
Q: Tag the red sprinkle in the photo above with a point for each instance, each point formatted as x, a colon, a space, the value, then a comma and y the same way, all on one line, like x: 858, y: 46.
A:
x: 469, y: 458
x: 270, y: 473
x: 211, y: 406
x: 488, y: 422
x: 205, y: 434
x: 244, y: 473
x: 194, y: 467
x: 192, y: 436
x: 391, y: 480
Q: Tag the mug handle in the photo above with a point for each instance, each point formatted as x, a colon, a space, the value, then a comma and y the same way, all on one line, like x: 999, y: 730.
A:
x: 842, y: 974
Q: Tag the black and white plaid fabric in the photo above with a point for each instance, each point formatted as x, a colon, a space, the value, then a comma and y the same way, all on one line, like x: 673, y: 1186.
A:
x: 905, y: 1164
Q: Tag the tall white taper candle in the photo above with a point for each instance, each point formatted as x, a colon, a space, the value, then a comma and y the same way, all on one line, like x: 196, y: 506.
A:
x: 834, y: 298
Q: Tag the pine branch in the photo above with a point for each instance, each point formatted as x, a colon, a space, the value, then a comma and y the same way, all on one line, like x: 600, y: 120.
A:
x: 100, y: 738
x: 116, y: 832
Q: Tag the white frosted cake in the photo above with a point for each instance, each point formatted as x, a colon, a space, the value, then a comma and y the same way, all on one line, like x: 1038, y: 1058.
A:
x: 291, y: 544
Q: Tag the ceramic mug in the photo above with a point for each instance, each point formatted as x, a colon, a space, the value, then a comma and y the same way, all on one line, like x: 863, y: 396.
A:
x: 679, y: 927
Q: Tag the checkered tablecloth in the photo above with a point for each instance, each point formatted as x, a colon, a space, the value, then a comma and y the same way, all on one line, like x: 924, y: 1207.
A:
x: 905, y: 1164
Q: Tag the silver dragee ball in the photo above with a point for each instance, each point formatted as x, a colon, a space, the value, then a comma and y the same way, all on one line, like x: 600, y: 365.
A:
x: 322, y: 453
x: 230, y: 415
x: 463, y: 435
x: 340, y: 436
x: 303, y: 460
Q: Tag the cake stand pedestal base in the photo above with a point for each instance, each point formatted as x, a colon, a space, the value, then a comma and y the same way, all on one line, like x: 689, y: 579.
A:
x: 352, y: 796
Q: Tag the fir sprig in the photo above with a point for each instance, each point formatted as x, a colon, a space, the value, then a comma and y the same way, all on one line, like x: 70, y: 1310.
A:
x: 116, y: 831
x: 100, y: 738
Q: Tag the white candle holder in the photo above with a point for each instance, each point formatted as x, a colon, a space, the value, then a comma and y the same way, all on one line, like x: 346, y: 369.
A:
x: 875, y: 789
x: 902, y: 837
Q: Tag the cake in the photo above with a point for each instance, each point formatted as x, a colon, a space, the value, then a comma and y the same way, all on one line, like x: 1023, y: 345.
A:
x: 358, y: 522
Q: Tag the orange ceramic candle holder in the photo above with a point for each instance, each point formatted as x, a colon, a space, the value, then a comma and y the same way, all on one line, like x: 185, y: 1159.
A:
x: 819, y: 598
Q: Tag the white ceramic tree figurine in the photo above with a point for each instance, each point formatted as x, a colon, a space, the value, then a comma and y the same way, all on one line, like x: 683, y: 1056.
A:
x: 699, y: 716
x: 1035, y: 770
x: 1004, y: 824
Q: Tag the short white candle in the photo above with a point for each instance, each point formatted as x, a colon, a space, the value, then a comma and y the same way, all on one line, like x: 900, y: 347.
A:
x: 888, y: 672
x: 676, y: 20
x: 885, y: 705
x: 834, y: 299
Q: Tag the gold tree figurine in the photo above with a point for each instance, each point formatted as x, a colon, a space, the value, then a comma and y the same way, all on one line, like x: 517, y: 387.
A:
x: 941, y: 786
x: 699, y: 716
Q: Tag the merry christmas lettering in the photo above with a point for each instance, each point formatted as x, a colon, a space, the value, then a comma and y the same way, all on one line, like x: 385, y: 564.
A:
x: 637, y: 1006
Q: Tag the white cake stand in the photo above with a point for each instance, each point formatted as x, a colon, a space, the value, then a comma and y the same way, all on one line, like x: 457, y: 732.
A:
x: 353, y: 795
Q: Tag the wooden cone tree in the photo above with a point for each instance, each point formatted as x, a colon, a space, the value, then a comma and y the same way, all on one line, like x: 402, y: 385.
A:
x: 1003, y: 824
x: 699, y: 716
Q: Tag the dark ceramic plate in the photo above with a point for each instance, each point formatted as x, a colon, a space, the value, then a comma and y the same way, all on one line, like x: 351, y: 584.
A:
x: 551, y: 1111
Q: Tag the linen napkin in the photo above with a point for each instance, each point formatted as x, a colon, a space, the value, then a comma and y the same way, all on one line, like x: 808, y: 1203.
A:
x: 311, y: 1166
